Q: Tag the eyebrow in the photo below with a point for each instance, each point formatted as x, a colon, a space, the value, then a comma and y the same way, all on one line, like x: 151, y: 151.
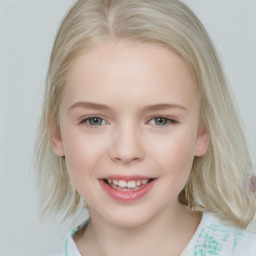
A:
x: 89, y: 105
x: 163, y: 106
x: 97, y: 106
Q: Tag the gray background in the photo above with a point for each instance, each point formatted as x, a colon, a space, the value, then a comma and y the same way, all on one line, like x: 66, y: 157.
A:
x: 27, y: 30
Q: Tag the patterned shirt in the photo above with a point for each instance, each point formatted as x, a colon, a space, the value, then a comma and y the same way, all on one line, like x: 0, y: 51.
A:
x: 211, y: 238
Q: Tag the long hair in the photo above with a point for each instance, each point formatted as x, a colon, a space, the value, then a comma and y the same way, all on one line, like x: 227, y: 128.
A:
x: 216, y: 181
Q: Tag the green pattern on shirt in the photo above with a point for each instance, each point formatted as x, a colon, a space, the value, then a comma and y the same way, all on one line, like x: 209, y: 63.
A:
x: 213, y: 238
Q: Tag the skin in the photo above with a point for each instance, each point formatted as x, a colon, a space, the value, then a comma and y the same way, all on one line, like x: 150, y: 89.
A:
x: 128, y: 77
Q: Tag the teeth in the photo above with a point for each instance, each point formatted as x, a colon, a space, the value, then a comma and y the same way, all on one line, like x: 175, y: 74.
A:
x: 131, y: 184
x: 115, y: 182
x: 144, y: 182
x: 138, y: 183
x: 122, y: 183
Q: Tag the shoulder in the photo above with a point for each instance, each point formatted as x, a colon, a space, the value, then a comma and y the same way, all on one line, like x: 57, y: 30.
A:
x: 58, y: 252
x: 215, y: 238
x: 68, y: 247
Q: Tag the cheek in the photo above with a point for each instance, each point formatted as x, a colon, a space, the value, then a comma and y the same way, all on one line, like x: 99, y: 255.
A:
x: 175, y: 164
x: 177, y: 150
x: 174, y: 158
x: 82, y: 153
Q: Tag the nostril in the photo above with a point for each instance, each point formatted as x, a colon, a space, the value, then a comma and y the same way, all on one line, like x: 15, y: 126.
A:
x: 127, y: 159
x: 126, y: 150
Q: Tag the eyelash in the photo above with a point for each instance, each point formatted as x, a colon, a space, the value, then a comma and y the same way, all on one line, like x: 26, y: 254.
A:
x: 85, y: 120
x: 170, y: 121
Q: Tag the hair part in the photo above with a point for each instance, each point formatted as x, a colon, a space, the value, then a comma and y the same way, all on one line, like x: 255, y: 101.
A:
x: 216, y: 181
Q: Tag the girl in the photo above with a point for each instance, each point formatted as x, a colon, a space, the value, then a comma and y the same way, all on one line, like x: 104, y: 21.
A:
x: 139, y: 123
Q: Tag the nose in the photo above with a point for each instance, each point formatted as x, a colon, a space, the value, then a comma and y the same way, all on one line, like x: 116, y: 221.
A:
x: 127, y: 146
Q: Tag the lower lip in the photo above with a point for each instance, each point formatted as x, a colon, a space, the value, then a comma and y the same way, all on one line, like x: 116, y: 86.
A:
x: 127, y: 196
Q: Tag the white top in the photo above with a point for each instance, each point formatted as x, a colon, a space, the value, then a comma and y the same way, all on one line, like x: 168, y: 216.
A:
x: 211, y: 238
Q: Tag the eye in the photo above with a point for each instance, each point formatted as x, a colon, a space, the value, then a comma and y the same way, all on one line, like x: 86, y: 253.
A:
x: 161, y: 121
x: 94, y: 121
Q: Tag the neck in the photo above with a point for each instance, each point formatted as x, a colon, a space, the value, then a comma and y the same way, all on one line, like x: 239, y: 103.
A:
x: 167, y: 232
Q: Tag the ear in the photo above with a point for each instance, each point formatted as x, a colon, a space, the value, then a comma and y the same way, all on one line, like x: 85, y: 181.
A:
x: 55, y: 136
x: 202, y: 142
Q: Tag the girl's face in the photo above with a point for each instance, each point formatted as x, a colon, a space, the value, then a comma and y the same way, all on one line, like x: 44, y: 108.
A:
x: 129, y: 130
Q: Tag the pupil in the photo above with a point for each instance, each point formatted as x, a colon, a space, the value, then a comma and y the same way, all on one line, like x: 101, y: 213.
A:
x: 95, y: 121
x: 161, y: 121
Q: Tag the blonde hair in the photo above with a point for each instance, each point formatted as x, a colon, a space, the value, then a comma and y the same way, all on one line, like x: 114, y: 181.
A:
x: 216, y: 181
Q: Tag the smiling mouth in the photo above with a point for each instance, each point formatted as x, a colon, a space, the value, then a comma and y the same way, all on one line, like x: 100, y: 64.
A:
x: 127, y: 188
x: 125, y: 185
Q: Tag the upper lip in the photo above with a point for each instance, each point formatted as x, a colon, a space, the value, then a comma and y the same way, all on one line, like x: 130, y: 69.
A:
x: 126, y: 178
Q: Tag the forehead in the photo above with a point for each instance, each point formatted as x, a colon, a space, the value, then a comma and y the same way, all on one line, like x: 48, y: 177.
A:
x: 129, y: 70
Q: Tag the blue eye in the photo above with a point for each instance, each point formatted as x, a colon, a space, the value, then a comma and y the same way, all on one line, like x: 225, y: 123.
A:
x: 94, y: 121
x: 161, y: 121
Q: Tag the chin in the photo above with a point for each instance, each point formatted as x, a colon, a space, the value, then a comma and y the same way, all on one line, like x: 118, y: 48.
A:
x: 129, y: 221
x: 129, y: 218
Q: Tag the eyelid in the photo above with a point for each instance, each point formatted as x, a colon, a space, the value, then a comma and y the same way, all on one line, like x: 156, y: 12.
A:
x: 83, y: 120
x: 171, y: 120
